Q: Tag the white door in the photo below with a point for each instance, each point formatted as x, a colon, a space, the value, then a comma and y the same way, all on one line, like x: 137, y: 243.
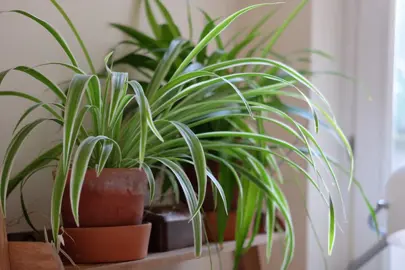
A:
x: 379, y: 114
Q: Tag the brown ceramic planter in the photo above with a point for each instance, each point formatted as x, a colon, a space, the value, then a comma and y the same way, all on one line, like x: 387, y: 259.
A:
x: 107, y: 244
x: 115, y: 198
x: 211, y: 226
x: 171, y: 228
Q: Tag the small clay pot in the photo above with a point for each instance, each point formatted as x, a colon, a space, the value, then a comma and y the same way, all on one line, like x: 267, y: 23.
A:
x: 211, y: 225
x: 115, y: 198
x: 107, y: 244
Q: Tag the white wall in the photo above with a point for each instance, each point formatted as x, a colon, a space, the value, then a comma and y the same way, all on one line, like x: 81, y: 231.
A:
x: 25, y: 43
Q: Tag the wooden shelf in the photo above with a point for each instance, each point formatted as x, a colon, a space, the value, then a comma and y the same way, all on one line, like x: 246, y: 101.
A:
x: 174, y: 257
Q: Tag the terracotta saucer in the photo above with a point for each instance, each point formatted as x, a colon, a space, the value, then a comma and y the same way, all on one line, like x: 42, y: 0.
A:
x: 107, y: 244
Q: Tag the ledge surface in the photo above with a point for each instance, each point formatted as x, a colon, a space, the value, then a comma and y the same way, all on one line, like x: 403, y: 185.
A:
x: 155, y: 260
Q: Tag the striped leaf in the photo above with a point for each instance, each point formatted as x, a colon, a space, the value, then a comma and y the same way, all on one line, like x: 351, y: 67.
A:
x: 11, y: 152
x: 51, y: 30
x: 191, y: 201
x: 198, y: 156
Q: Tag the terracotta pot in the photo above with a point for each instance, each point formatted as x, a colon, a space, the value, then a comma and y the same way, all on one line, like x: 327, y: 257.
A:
x: 209, y: 204
x: 107, y: 244
x: 115, y: 198
x: 211, y: 226
x: 33, y: 256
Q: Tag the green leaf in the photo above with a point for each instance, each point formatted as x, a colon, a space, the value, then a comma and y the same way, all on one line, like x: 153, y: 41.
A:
x: 248, y: 207
x: 169, y: 20
x: 144, y: 40
x: 241, y: 45
x: 197, y: 153
x: 164, y: 67
x: 38, y: 76
x: 151, y: 180
x: 346, y: 143
x: 21, y: 95
x: 170, y: 183
x: 144, y: 104
x: 282, y: 28
x: 68, y: 66
x: 263, y: 21
x: 51, y: 30
x: 270, y: 223
x: 138, y: 61
x: 25, y: 211
x: 332, y: 227
x: 56, y: 199
x: 75, y: 95
x: 145, y: 119
x: 79, y: 168
x: 118, y: 90
x: 258, y: 137
x: 228, y: 183
x: 233, y: 174
x: 39, y: 105
x: 39, y: 162
x: 337, y: 131
x: 191, y: 201
x: 189, y: 20
x: 11, y: 152
x: 125, y: 101
x: 274, y: 193
x: 22, y: 202
x: 29, y: 110
x: 212, y: 34
x: 218, y: 39
x: 152, y: 20
x: 105, y: 154
x: 201, y: 86
x: 180, y: 81
x: 214, y: 181
x: 76, y: 33
x: 202, y: 55
x: 166, y: 36
x: 266, y: 62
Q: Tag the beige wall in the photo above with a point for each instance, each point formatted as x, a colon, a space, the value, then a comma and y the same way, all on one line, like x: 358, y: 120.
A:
x: 23, y: 42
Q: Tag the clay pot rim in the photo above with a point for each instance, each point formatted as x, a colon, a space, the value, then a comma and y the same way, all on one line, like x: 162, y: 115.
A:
x: 114, y: 169
x: 138, y: 170
x: 138, y: 227
x: 108, y: 169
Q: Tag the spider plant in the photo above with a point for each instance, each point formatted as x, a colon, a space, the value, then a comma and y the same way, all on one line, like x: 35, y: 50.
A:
x: 159, y: 130
x: 151, y: 50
